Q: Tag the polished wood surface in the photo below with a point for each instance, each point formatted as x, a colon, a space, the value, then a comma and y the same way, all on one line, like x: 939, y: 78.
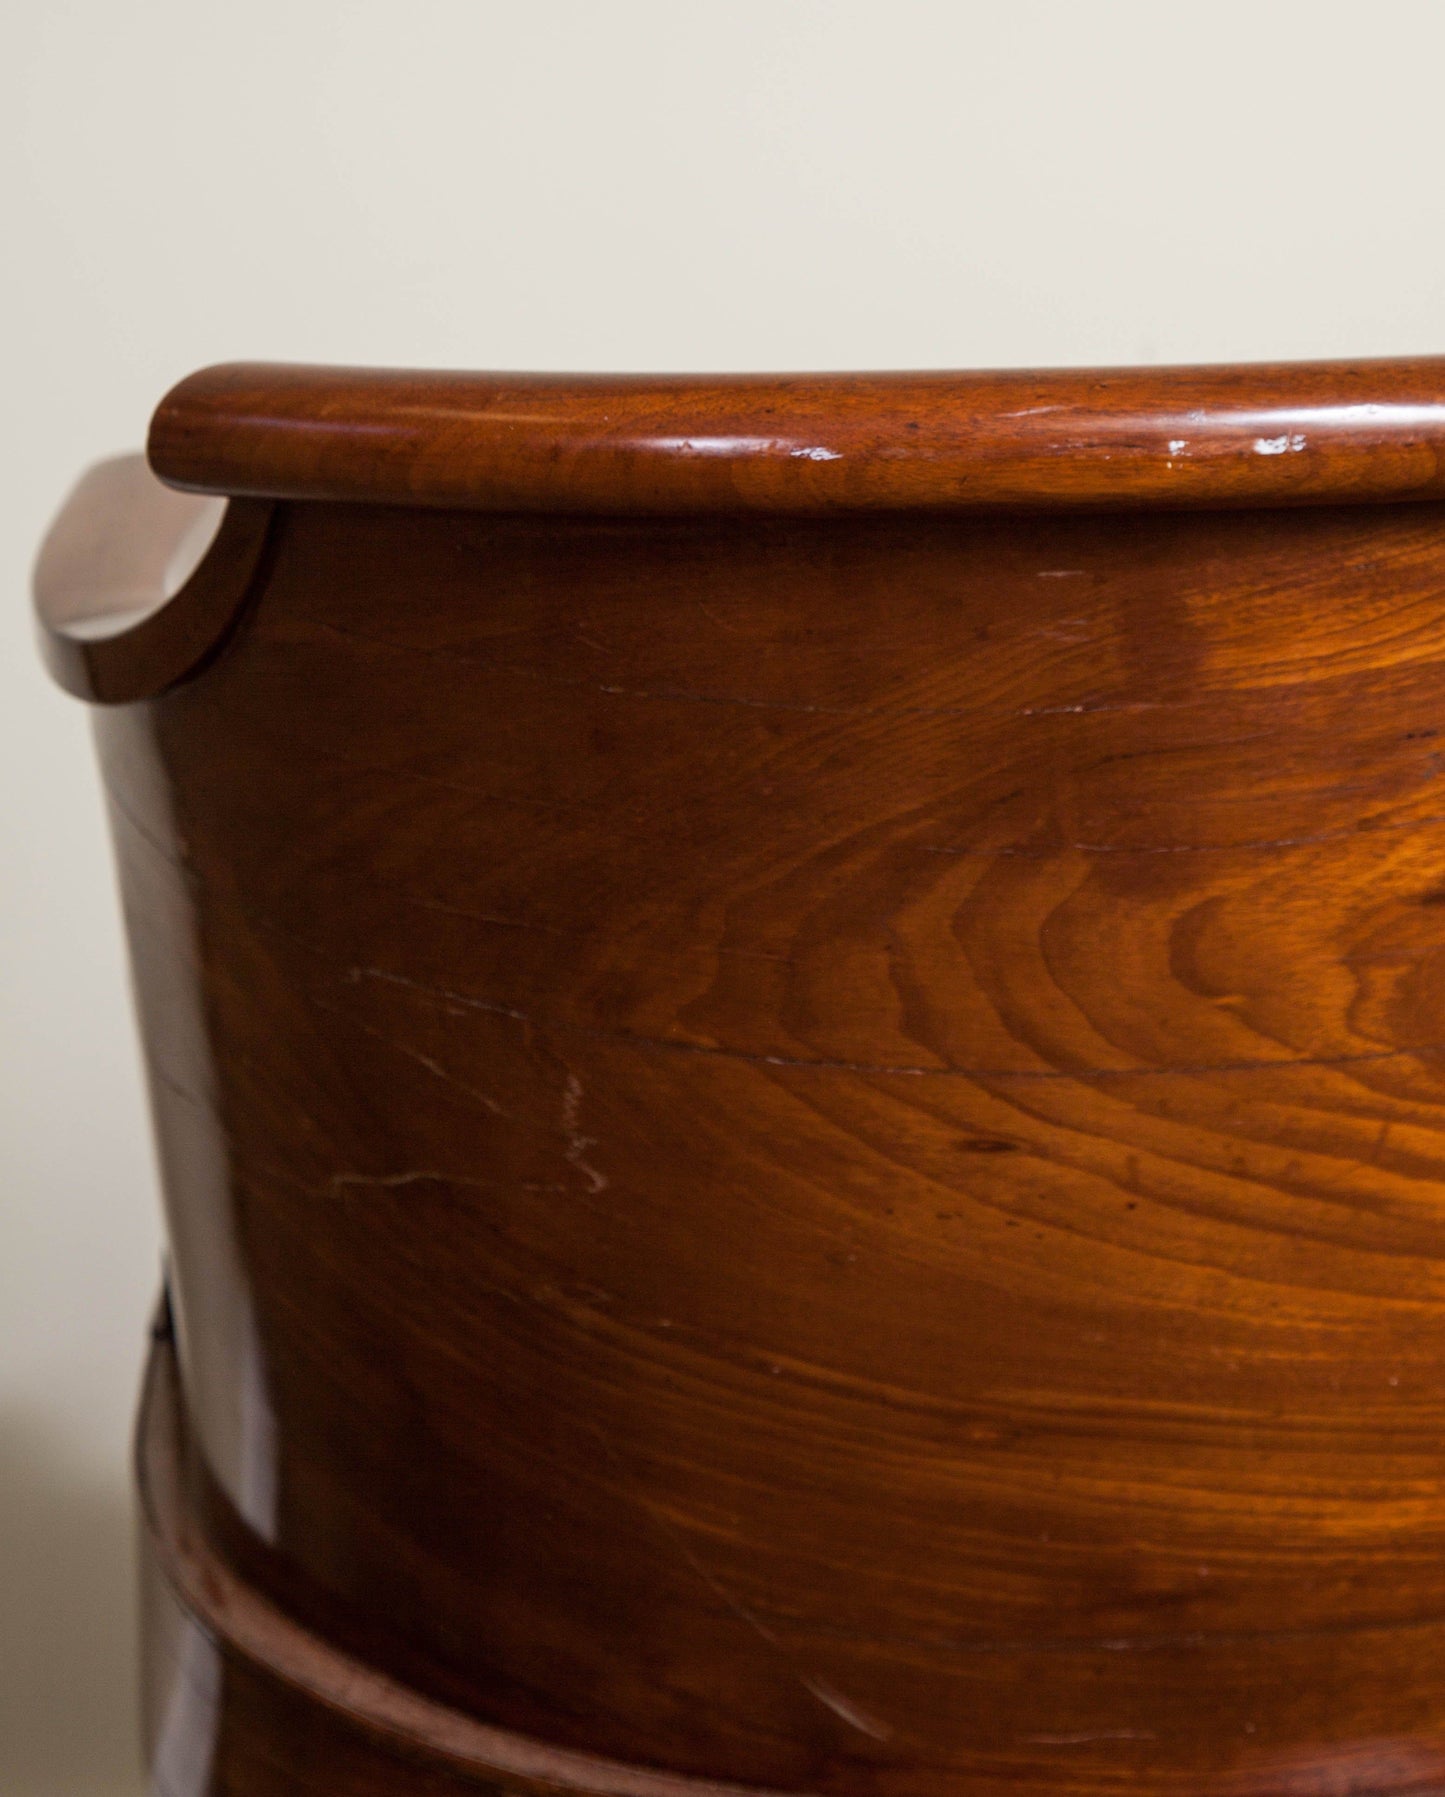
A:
x: 137, y: 584
x: 240, y: 1697
x: 806, y: 1151
x: 1302, y: 433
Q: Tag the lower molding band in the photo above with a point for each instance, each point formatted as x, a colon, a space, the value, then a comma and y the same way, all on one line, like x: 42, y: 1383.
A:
x: 267, y: 1705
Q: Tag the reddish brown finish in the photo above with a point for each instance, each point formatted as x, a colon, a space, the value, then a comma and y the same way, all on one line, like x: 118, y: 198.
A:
x: 137, y: 584
x: 806, y: 1151
x: 233, y: 1683
x: 1303, y: 433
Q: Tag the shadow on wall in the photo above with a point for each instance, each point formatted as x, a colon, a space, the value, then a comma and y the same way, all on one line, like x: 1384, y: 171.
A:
x: 68, y: 1662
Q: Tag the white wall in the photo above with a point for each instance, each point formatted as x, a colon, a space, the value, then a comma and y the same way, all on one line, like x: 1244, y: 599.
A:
x: 592, y: 184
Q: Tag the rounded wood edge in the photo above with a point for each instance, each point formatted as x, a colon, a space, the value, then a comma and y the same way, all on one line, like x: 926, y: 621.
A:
x: 245, y: 1623
x: 1267, y: 435
x: 136, y: 585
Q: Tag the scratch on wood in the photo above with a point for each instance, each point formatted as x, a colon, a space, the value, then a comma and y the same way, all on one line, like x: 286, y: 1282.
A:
x: 355, y: 975
x: 338, y: 1180
x: 577, y: 1143
x: 818, y: 1688
x: 682, y: 695
x: 890, y: 1069
x: 886, y: 1069
x: 848, y: 1711
x: 1254, y: 845
x: 433, y: 1066
x: 174, y: 856
x: 1080, y: 1740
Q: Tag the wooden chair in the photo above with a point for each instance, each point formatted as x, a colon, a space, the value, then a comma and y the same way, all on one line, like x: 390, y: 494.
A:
x: 797, y: 1034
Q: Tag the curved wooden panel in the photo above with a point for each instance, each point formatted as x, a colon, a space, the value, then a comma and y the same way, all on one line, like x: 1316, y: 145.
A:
x: 241, y: 1698
x: 137, y: 584
x: 808, y: 1152
x: 1302, y: 433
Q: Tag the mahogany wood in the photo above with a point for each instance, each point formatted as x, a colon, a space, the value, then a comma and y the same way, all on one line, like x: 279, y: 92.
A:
x: 1303, y: 433
x: 799, y: 1150
x: 137, y: 584
x: 238, y: 1696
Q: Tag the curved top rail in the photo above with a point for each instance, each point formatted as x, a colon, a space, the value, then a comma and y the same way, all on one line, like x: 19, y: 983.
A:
x: 1288, y: 434
x: 136, y: 586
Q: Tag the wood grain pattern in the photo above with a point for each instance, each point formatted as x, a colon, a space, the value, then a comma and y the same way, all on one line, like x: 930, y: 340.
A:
x: 1094, y: 438
x: 239, y: 1698
x: 806, y: 1151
